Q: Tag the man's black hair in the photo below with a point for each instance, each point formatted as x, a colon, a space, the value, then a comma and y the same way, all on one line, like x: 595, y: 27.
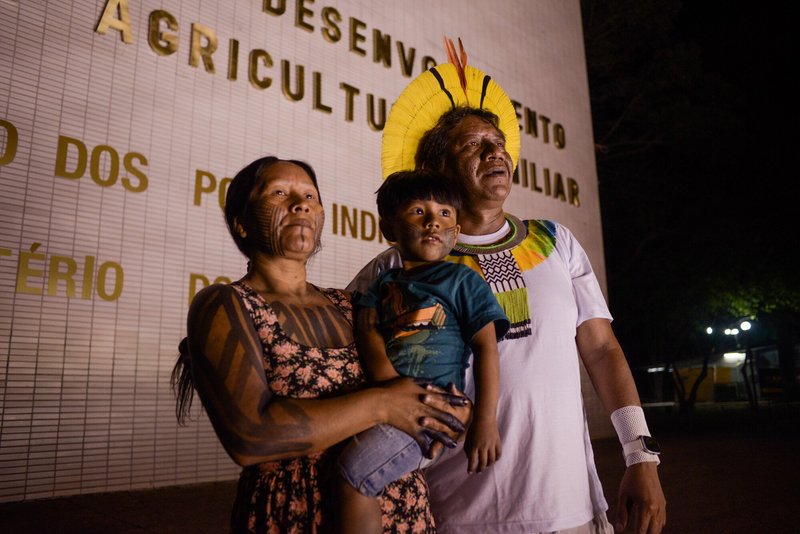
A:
x: 432, y: 149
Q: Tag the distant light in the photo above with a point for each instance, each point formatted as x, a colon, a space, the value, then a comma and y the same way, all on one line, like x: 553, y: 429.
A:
x: 709, y: 330
x: 734, y: 331
x: 746, y: 325
x: 655, y: 369
x: 734, y: 357
x: 727, y: 331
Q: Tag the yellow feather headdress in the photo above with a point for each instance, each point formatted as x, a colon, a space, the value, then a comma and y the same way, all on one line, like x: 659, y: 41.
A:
x: 430, y: 95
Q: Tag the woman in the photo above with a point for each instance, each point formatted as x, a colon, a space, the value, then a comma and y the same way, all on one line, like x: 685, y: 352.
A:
x: 274, y: 363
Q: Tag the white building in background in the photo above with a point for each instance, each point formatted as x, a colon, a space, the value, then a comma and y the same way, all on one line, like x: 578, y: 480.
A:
x: 120, y: 123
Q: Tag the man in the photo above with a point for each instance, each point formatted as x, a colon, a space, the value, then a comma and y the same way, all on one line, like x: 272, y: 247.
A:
x: 546, y: 479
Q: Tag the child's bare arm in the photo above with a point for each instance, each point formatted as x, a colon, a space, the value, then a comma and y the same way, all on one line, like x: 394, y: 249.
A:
x: 483, y: 445
x: 372, y: 347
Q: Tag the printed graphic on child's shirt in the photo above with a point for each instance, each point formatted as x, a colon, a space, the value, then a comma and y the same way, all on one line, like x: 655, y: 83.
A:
x: 407, y: 326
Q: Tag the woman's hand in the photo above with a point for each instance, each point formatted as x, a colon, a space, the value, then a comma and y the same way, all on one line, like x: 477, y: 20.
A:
x: 419, y: 410
x: 456, y: 407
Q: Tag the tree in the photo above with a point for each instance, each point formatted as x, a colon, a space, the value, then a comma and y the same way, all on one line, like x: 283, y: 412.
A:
x: 687, y: 101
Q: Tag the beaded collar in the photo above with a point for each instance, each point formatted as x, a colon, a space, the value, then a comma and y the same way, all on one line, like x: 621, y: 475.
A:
x: 515, y: 236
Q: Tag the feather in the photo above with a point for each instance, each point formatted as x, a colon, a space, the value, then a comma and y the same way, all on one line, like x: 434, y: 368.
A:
x: 450, y: 51
x: 463, y: 53
x: 459, y: 63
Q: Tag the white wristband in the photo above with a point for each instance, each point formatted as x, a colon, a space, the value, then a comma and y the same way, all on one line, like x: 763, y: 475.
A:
x: 629, y: 422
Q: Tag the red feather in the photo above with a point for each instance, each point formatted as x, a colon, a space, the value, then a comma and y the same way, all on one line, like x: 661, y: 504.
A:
x: 459, y: 63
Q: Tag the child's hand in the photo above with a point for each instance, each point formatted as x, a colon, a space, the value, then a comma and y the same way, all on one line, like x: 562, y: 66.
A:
x: 483, y: 447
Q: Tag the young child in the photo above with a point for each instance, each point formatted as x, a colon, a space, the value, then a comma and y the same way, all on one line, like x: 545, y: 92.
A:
x: 421, y: 321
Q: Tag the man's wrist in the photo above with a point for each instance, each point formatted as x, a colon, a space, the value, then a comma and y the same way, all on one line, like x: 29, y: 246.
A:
x: 641, y: 457
x: 646, y: 444
x: 634, y: 436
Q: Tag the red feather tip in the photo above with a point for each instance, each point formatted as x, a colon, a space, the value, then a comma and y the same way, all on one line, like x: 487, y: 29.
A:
x: 459, y: 63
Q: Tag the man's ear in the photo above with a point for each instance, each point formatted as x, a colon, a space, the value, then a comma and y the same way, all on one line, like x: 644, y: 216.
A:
x: 442, y: 167
x: 386, y: 230
x: 457, y: 230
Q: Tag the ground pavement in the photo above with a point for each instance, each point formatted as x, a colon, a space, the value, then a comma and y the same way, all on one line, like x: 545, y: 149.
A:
x: 726, y: 469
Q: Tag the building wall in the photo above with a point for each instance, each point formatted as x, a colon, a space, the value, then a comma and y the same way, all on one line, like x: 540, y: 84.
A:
x: 117, y: 134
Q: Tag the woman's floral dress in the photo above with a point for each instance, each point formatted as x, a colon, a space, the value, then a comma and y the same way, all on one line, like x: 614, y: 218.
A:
x: 294, y: 496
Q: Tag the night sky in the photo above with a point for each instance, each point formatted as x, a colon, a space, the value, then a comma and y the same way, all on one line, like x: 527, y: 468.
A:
x: 694, y: 114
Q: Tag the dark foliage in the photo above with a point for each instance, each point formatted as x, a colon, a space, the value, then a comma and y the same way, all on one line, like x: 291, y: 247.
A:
x: 694, y: 107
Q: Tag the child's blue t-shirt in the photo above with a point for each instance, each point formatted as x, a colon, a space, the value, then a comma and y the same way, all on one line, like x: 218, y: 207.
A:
x: 429, y: 314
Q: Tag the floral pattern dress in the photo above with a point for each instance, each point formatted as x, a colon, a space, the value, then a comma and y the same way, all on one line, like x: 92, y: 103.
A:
x: 294, y: 496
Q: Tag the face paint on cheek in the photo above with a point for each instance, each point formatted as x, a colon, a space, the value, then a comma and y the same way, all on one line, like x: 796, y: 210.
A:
x: 319, y: 221
x: 450, y: 236
x: 266, y: 237
x: 413, y: 231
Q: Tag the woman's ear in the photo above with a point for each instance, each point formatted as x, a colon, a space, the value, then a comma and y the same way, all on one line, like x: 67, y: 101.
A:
x: 239, y: 228
x: 386, y: 230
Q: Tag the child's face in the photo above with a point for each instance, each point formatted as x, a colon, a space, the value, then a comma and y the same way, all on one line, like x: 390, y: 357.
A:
x: 425, y: 231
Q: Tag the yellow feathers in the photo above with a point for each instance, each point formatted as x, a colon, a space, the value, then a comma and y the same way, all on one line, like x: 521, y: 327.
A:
x: 427, y: 97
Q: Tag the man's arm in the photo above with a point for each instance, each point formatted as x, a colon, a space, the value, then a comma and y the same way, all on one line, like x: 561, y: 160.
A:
x: 483, y: 446
x: 641, y: 499
x: 372, y: 347
x: 388, y: 259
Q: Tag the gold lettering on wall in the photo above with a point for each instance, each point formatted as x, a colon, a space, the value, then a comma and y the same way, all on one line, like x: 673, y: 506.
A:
x: 573, y: 191
x: 274, y: 7
x: 55, y: 275
x: 204, y: 44
x: 550, y: 184
x: 160, y: 42
x: 318, y: 105
x: 559, y: 136
x: 102, y: 279
x: 286, y: 81
x: 330, y: 24
x: 88, y: 275
x: 60, y: 275
x: 206, y: 183
x: 233, y: 59
x: 110, y: 164
x: 381, y: 48
x: 537, y: 125
x: 259, y: 56
x: 122, y: 23
x: 62, y: 154
x: 26, y: 271
x: 72, y: 156
x: 128, y: 163
x: 163, y: 39
x: 349, y: 100
x: 199, y: 281
x: 376, y: 119
x: 355, y: 223
x: 406, y: 58
x: 9, y: 152
x: 356, y: 37
x: 302, y: 14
